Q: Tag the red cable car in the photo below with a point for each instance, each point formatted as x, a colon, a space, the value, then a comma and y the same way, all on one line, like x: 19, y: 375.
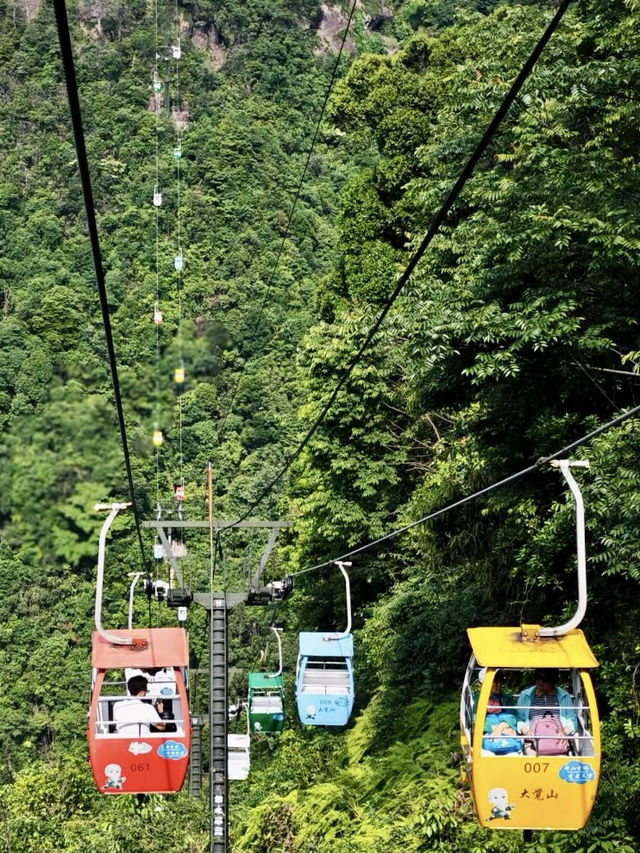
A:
x: 137, y: 745
x: 127, y: 755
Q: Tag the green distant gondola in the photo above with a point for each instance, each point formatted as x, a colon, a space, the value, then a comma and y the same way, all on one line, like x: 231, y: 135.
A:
x: 266, y: 702
x: 266, y: 697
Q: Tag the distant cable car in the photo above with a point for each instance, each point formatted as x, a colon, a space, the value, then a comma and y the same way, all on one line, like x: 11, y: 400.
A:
x: 157, y: 84
x: 177, y: 152
x: 324, y: 677
x: 157, y: 438
x: 178, y: 375
x: 176, y: 51
x: 238, y: 755
x: 157, y: 197
x: 178, y: 491
x: 238, y: 759
x: 157, y: 315
x: 130, y: 751
x: 266, y: 697
x: 178, y: 263
x: 533, y: 760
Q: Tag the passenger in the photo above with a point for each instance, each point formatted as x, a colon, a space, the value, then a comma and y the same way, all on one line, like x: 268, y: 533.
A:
x: 499, y: 699
x: 500, y: 735
x: 162, y: 684
x: 544, y: 699
x: 133, y: 716
x: 130, y: 672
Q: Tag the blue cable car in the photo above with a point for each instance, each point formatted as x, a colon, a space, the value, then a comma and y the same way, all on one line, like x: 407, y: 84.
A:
x: 324, y: 676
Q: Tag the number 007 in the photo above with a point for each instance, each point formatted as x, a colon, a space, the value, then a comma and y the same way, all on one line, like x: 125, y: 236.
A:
x: 536, y: 766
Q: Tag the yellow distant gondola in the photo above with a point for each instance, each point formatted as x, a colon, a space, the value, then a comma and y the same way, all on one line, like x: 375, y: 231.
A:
x: 529, y: 725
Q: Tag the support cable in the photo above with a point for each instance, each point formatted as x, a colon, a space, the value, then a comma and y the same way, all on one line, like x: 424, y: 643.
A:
x: 426, y: 241
x: 291, y: 212
x: 544, y: 460
x: 66, y: 51
x: 178, y: 260
x: 158, y: 433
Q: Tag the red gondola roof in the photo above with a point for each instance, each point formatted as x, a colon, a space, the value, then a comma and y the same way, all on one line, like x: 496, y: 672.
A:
x: 165, y: 647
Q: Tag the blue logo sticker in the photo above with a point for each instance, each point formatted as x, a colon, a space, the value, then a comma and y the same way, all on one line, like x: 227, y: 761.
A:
x: 166, y: 691
x: 172, y: 749
x: 577, y: 771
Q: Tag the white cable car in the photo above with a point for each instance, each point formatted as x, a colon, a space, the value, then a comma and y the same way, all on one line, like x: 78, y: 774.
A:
x: 157, y: 197
x: 238, y: 757
x: 533, y: 759
x: 324, y: 677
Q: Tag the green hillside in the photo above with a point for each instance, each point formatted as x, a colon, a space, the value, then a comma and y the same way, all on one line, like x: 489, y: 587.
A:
x: 515, y: 336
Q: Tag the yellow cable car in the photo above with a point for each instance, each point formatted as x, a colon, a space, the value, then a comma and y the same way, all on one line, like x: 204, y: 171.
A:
x: 521, y: 779
x: 531, y: 746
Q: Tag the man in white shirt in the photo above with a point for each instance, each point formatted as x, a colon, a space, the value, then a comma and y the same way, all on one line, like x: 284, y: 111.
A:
x: 134, y: 717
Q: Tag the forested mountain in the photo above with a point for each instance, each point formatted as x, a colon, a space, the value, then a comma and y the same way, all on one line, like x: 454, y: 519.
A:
x: 516, y: 335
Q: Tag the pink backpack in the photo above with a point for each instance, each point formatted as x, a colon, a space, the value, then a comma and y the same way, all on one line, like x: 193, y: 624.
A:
x: 550, y: 739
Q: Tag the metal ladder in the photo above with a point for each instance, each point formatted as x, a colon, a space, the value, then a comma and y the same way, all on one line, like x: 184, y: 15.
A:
x: 195, y: 762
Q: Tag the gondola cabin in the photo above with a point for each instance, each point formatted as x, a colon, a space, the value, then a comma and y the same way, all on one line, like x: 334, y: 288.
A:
x: 530, y: 731
x: 127, y: 752
x: 266, y: 702
x: 324, y: 679
x: 238, y: 758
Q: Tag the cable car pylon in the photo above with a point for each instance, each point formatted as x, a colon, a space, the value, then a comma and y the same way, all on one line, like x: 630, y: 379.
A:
x: 217, y: 603
x: 532, y: 752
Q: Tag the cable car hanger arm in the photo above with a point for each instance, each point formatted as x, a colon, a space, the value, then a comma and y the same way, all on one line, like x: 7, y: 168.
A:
x: 110, y: 638
x: 565, y: 465
x: 276, y: 631
x: 341, y: 565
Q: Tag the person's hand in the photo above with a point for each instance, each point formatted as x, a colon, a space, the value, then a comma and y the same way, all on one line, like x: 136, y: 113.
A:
x: 568, y: 729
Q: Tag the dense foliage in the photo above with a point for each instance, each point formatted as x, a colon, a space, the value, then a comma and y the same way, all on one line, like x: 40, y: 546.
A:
x: 515, y: 336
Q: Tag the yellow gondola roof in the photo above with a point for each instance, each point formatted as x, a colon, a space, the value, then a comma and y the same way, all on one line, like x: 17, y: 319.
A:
x: 504, y: 647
